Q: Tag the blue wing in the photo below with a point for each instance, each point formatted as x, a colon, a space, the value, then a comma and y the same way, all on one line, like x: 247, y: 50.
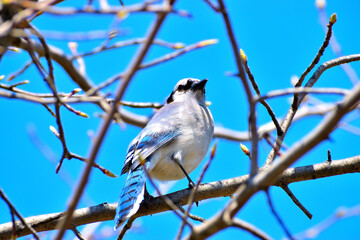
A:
x: 133, y: 191
x: 145, y: 145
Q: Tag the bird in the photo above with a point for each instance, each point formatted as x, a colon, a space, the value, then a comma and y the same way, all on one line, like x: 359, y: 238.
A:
x: 170, y: 147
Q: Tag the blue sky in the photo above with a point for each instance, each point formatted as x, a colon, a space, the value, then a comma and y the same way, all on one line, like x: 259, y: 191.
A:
x: 280, y: 39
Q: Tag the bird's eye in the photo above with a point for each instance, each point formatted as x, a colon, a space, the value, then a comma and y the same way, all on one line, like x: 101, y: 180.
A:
x: 181, y: 88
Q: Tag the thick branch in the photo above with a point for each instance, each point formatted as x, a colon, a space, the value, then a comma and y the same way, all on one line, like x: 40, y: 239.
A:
x: 104, y: 212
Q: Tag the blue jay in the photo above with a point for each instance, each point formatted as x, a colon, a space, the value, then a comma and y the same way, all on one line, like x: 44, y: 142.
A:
x: 173, y: 144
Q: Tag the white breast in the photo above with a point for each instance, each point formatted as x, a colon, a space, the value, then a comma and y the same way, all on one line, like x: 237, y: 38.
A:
x: 193, y: 143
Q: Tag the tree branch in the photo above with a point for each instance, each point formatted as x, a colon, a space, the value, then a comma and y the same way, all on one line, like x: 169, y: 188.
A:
x: 223, y: 188
x: 252, y: 105
x: 277, y: 216
x: 250, y: 228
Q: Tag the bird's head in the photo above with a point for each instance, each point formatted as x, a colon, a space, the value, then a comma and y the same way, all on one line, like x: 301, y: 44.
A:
x: 186, y: 88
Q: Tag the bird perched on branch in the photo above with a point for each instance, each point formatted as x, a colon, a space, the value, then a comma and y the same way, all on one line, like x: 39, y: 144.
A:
x: 171, y: 146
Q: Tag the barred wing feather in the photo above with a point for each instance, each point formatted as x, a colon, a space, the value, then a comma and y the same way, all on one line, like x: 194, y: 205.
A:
x: 133, y: 192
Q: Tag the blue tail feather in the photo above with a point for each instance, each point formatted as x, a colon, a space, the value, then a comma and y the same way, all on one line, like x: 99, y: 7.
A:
x: 131, y: 196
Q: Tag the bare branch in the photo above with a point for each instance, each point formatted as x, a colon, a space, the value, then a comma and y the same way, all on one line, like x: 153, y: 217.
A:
x: 325, y: 66
x: 77, y: 233
x: 252, y: 116
x: 256, y: 88
x: 339, y: 214
x: 276, y: 215
x: 113, y: 10
x: 250, y: 228
x: 62, y: 59
x: 302, y: 90
x: 13, y: 211
x: 296, y: 201
x: 336, y: 47
x: 126, y: 228
x: 296, y: 100
x: 104, y: 212
x: 180, y: 52
x: 212, y: 5
x: 130, y: 42
x: 318, y: 55
x: 192, y: 216
x: 159, y: 60
x: 20, y: 71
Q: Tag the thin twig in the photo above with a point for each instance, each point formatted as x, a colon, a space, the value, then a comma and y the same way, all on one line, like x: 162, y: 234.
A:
x: 14, y: 236
x: 47, y: 54
x: 80, y: 61
x: 20, y: 71
x: 286, y: 188
x: 180, y: 52
x: 276, y: 215
x: 77, y: 233
x: 40, y: 67
x: 80, y: 36
x: 130, y: 42
x: 252, y: 105
x: 325, y: 66
x: 65, y: 98
x: 302, y: 90
x: 141, y: 105
x: 339, y: 214
x: 336, y: 48
x: 104, y: 84
x: 195, y: 189
x: 49, y: 110
x: 40, y: 7
x: 297, y: 97
x: 125, y: 228
x: 61, y: 137
x: 329, y: 156
x: 113, y: 10
x: 102, y: 169
x: 212, y: 5
x: 189, y: 215
x: 14, y: 211
x: 51, y: 83
x: 318, y: 55
x: 262, y: 101
x: 271, y: 141
x: 163, y: 59
x: 250, y: 228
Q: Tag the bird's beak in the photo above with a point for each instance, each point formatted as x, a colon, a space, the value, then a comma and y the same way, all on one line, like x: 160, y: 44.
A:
x: 200, y: 85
